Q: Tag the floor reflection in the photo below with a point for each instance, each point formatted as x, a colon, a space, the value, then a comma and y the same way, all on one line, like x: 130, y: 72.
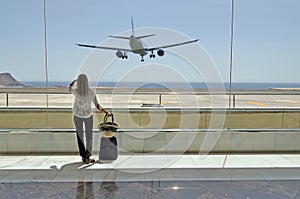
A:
x: 155, y: 189
x: 85, y: 190
x: 108, y: 189
x: 105, y: 190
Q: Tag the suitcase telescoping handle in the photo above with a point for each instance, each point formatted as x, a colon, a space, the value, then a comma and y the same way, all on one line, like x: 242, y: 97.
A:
x: 107, y: 116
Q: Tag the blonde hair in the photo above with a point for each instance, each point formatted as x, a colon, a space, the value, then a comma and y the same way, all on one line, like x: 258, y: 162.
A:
x: 83, y: 88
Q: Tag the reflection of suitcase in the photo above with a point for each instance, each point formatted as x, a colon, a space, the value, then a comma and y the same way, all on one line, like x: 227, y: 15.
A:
x: 108, y: 148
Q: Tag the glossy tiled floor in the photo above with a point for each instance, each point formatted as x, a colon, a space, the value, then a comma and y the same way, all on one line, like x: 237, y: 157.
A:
x: 151, y: 176
x: 153, y: 189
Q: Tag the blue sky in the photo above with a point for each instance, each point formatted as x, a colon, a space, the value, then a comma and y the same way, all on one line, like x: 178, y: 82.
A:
x: 266, y: 37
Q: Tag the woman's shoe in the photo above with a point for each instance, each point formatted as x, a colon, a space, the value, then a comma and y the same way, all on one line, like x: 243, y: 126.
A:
x: 88, y: 161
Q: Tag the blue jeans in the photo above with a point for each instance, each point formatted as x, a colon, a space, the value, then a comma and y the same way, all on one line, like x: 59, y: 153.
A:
x: 84, y: 150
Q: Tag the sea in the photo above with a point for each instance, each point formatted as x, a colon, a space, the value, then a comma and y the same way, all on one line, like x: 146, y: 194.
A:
x: 172, y: 85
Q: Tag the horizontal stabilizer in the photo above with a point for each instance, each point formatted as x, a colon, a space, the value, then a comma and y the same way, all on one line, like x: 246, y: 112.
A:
x: 141, y: 37
x: 119, y: 37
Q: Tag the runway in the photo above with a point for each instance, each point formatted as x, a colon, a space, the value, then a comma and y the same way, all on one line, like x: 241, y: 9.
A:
x: 168, y: 100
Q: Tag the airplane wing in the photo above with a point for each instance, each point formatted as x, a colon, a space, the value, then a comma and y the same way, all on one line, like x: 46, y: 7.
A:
x: 104, y: 47
x: 171, y: 45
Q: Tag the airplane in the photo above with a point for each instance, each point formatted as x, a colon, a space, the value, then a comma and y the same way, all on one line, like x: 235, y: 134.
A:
x: 136, y: 46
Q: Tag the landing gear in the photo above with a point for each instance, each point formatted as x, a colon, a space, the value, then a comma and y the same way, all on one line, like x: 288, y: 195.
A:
x: 142, y: 60
x: 152, y: 55
x: 124, y: 57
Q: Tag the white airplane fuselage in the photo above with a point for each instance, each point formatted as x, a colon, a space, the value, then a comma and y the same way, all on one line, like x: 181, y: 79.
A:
x: 137, y: 46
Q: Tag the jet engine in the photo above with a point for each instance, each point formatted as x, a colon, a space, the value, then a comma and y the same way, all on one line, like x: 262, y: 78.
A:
x: 160, y: 53
x: 119, y: 54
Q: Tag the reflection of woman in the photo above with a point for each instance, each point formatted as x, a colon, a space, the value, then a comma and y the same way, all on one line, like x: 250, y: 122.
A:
x: 83, y: 114
x: 108, y: 189
x: 85, y: 190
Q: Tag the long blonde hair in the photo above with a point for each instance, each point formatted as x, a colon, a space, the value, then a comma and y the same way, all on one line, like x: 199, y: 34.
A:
x: 83, y: 87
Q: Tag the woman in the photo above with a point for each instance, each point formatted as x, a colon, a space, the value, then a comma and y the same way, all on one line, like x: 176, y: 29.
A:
x: 83, y: 114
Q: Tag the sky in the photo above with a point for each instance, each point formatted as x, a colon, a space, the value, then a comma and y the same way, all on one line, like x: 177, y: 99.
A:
x: 266, y: 44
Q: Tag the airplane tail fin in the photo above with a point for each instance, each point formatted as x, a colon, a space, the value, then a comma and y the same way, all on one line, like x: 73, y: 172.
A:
x: 132, y: 29
x: 138, y: 37
x: 122, y: 37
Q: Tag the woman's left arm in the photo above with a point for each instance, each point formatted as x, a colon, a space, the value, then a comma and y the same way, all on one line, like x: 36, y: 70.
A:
x: 103, y: 110
x: 98, y: 106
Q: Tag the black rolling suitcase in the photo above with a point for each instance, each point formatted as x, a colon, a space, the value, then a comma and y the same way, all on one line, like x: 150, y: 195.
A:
x: 108, y: 148
x: 108, y: 143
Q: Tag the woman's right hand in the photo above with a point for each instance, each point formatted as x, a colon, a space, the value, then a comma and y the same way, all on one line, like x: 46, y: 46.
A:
x: 72, y: 83
x: 108, y: 113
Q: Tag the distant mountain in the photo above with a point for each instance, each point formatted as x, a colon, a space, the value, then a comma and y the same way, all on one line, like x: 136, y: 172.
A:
x: 6, y: 79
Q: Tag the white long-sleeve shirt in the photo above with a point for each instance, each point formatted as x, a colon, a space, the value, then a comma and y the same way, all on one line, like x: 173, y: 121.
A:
x: 83, y: 104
